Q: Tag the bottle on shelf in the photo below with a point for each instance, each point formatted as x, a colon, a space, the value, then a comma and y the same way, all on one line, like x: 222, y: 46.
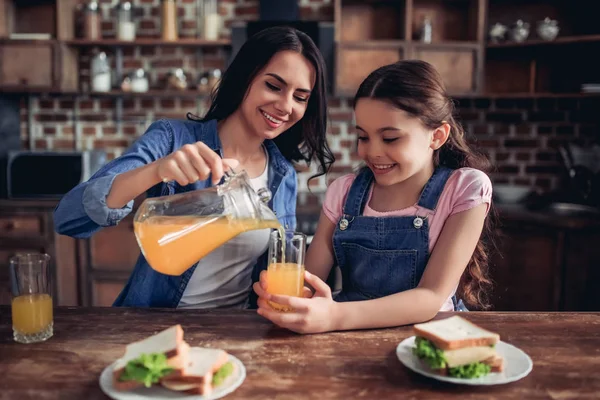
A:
x: 169, y: 20
x: 92, y: 21
x: 211, y: 20
x: 125, y: 22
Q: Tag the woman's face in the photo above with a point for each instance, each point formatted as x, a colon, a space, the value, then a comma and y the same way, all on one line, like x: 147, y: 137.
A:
x: 278, y: 96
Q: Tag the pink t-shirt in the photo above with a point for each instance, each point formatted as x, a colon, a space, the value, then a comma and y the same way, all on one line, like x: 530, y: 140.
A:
x: 466, y: 188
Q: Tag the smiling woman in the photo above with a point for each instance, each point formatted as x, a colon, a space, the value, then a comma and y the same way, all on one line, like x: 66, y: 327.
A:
x: 277, y: 84
x: 268, y: 112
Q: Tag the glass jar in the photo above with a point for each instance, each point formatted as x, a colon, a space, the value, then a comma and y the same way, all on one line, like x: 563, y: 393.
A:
x: 211, y: 21
x: 548, y: 29
x: 426, y: 30
x: 92, y: 28
x: 125, y: 23
x: 101, y: 73
x: 177, y: 80
x: 520, y: 31
x: 169, y: 20
x: 214, y: 76
x: 139, y: 81
x: 176, y: 231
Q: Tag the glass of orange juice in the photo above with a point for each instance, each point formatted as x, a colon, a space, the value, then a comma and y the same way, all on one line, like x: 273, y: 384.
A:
x: 285, y: 273
x: 30, y: 283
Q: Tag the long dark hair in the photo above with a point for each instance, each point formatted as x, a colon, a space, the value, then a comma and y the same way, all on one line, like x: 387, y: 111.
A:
x: 306, y: 139
x: 416, y: 87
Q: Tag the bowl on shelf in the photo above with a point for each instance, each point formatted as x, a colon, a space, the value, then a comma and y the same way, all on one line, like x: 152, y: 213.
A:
x: 520, y: 31
x: 510, y: 194
x: 547, y: 29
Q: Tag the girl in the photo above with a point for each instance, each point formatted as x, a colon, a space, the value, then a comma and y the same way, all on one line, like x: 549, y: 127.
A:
x: 269, y: 111
x: 405, y: 227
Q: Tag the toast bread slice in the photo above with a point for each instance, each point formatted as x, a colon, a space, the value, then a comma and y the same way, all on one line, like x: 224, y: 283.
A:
x: 197, y: 377
x: 455, y: 333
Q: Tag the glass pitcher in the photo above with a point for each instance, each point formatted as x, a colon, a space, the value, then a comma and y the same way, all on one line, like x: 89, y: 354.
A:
x: 176, y: 231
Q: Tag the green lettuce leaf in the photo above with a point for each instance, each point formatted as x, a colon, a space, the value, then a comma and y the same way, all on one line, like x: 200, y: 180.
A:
x: 222, y: 374
x: 434, y: 357
x: 427, y: 352
x: 469, y: 371
x: 146, y: 369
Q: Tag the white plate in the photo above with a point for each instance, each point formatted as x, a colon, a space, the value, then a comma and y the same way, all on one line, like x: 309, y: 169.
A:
x: 517, y: 365
x: 159, y: 392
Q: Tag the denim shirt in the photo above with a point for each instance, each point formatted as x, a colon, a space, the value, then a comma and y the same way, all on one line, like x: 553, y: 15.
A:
x: 83, y: 211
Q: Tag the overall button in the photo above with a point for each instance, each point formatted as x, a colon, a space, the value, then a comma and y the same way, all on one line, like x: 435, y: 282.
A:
x: 418, y: 222
x: 343, y: 224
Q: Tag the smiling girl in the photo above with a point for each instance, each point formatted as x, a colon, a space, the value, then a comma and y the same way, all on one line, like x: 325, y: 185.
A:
x: 406, y: 229
x: 269, y: 111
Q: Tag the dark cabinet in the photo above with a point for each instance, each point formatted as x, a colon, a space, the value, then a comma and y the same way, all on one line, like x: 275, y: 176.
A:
x: 546, y: 263
x: 38, y: 65
x: 108, y: 258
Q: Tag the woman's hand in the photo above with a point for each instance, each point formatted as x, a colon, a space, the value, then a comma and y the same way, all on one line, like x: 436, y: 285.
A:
x: 193, y: 162
x: 313, y: 313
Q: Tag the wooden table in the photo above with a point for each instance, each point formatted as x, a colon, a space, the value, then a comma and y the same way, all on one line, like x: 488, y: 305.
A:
x: 565, y: 348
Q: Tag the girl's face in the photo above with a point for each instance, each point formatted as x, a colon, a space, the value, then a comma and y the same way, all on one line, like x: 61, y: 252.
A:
x: 278, y: 96
x: 393, y: 144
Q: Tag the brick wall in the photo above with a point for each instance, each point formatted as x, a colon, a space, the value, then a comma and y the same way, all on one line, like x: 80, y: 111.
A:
x: 520, y: 135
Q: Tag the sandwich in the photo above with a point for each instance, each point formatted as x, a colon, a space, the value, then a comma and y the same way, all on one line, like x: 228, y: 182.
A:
x: 457, y: 348
x: 166, y: 359
x: 147, y: 361
x: 209, y: 368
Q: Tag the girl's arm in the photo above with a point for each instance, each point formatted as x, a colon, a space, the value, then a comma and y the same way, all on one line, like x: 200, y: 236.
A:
x: 449, y: 258
x: 319, y: 256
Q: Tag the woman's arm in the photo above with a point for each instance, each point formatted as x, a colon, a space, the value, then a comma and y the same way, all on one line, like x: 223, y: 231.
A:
x: 449, y: 258
x: 86, y: 208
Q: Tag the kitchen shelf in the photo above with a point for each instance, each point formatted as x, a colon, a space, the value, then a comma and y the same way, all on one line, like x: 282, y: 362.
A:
x: 373, y: 44
x: 7, y: 40
x: 145, y: 42
x: 534, y: 95
x: 448, y: 45
x: 378, y: 44
x: 154, y: 93
x: 538, y: 42
x: 149, y: 94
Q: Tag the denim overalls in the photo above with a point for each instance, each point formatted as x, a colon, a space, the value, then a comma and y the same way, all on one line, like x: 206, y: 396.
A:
x: 380, y: 256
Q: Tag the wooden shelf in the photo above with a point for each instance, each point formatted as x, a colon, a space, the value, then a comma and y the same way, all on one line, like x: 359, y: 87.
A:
x: 149, y: 42
x: 7, y: 40
x: 18, y: 89
x: 448, y: 45
x: 149, y: 94
x: 538, y: 42
x: 373, y: 44
x: 155, y: 93
x: 526, y: 95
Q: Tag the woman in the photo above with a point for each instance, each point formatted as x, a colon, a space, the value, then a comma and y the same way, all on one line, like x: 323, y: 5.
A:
x: 268, y: 111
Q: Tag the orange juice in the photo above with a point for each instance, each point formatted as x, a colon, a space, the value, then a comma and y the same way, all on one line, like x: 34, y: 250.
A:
x: 172, y: 244
x: 31, y: 313
x: 287, y: 279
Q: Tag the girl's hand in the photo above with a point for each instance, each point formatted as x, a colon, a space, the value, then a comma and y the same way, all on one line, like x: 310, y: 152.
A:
x: 193, y: 162
x: 314, y: 313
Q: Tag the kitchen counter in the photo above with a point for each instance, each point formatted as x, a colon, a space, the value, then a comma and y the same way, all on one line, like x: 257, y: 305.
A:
x: 564, y: 347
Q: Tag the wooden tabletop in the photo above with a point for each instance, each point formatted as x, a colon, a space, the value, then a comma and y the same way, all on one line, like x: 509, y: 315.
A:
x: 565, y: 348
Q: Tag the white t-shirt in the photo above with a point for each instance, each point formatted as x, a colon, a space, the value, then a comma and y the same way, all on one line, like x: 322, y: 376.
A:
x: 223, y: 278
